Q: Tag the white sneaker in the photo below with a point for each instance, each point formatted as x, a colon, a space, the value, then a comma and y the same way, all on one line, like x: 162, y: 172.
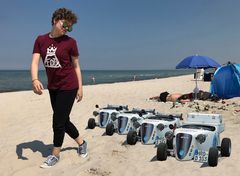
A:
x: 82, y: 149
x: 50, y: 161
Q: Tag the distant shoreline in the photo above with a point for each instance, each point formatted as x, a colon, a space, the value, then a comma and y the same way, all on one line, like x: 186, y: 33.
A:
x: 20, y: 80
x: 21, y: 90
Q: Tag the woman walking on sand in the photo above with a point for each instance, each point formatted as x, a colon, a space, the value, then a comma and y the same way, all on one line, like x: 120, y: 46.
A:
x: 59, y: 54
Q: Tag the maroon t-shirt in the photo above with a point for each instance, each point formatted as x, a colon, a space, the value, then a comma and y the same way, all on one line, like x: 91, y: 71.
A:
x: 56, y: 56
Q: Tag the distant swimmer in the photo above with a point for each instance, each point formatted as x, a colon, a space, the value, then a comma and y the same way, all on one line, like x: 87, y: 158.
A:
x: 93, y: 80
x: 134, y: 78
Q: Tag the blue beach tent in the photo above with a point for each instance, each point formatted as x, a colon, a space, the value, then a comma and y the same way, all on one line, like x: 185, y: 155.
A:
x: 226, y: 81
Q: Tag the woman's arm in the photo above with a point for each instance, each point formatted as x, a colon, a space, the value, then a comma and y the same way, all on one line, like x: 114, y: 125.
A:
x: 79, y: 76
x: 37, y: 85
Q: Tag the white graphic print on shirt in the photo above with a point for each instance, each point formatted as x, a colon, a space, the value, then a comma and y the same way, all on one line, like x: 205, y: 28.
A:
x: 51, y: 59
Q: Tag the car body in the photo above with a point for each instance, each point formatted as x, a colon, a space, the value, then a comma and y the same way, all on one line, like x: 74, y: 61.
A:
x: 198, y: 139
x: 103, y: 115
x: 154, y: 128
x: 128, y: 120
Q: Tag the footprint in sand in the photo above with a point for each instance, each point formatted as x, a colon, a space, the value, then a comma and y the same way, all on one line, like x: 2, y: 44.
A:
x: 98, y: 171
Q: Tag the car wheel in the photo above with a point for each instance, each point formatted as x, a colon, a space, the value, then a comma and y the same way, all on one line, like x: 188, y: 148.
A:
x: 213, y: 157
x: 170, y: 144
x: 132, y: 137
x: 162, y: 152
x: 91, y: 123
x: 226, y: 147
x: 139, y: 132
x: 110, y: 129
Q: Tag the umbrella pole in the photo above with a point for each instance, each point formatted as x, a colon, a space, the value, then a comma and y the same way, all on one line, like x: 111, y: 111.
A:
x: 196, y: 90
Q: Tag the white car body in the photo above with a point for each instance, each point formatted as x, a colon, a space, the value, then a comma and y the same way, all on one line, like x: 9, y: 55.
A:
x: 103, y: 116
x: 187, y: 144
x: 150, y: 131
x: 131, y: 120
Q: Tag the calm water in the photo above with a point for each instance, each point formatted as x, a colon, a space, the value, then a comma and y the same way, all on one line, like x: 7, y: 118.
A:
x: 17, y: 80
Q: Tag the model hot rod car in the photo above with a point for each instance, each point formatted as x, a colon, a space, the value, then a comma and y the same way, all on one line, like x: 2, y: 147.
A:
x: 154, y: 128
x: 127, y: 121
x: 104, y: 115
x: 198, y: 139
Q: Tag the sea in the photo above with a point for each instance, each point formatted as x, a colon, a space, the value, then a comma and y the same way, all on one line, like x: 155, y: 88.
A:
x: 20, y: 80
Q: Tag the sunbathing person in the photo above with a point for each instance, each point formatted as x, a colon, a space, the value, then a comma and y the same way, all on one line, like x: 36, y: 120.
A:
x: 178, y: 97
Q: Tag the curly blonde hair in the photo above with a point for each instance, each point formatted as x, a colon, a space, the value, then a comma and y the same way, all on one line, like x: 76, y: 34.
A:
x: 64, y: 14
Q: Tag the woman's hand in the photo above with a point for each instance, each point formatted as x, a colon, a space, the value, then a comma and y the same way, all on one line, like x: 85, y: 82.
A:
x: 37, y: 87
x: 79, y: 95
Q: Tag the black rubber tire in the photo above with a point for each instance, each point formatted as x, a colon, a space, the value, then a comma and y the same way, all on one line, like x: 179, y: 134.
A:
x: 170, y: 144
x: 213, y: 157
x: 162, y: 152
x: 91, y: 123
x: 139, y: 132
x: 226, y: 147
x: 109, y: 129
x: 132, y: 137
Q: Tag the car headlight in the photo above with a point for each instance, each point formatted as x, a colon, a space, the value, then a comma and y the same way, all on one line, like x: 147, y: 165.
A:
x: 160, y: 126
x: 120, y: 108
x: 173, y: 127
x: 136, y: 124
x: 201, y: 138
x: 134, y: 119
x: 169, y: 135
x: 95, y: 113
x: 114, y: 116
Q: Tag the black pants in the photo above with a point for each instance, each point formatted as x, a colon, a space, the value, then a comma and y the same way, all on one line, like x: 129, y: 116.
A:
x: 62, y: 102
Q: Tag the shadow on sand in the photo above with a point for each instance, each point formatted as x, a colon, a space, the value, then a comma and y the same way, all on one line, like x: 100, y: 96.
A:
x: 37, y: 146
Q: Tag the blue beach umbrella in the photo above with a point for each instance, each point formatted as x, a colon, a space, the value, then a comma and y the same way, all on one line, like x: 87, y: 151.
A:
x: 197, y: 62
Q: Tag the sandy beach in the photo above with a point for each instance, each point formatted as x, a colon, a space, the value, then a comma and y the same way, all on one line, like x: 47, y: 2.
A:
x: 26, y: 133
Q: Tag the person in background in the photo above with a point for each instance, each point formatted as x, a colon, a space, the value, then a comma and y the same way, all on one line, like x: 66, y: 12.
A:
x: 175, y: 97
x: 182, y: 98
x: 134, y: 77
x: 93, y: 79
x: 59, y: 54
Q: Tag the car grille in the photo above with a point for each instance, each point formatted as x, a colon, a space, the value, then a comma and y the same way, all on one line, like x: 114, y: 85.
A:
x: 103, y: 118
x: 122, y: 124
x: 183, y: 142
x: 146, y: 130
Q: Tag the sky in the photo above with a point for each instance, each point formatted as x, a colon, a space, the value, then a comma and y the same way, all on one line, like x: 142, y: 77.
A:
x: 125, y: 34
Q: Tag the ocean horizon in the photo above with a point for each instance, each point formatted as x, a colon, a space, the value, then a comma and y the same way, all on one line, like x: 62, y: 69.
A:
x: 20, y: 80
